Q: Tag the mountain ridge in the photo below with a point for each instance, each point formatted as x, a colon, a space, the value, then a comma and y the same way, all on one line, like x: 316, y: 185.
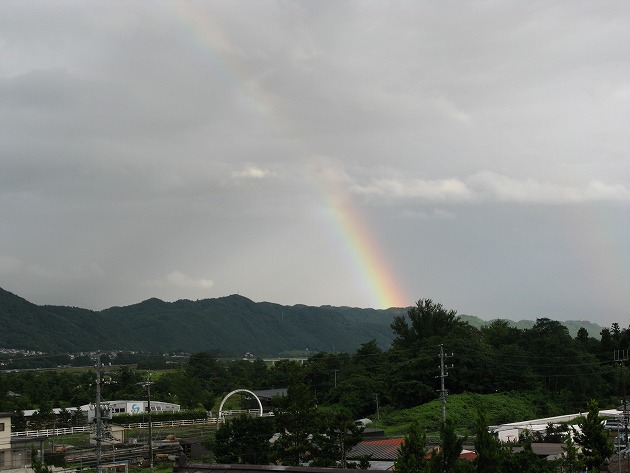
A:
x: 230, y: 324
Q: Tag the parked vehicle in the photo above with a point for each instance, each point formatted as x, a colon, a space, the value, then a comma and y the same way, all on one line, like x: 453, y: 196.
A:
x: 613, y: 424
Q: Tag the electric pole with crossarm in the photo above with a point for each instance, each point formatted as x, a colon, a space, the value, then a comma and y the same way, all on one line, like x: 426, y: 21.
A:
x: 443, y: 374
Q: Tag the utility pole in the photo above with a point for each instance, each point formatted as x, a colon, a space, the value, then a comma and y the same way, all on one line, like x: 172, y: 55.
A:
x: 621, y: 357
x: 99, y: 424
x: 443, y: 375
x: 378, y: 415
x: 147, y: 384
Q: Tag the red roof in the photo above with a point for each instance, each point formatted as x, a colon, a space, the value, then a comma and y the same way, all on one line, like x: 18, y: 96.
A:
x: 397, y: 442
x: 387, y: 449
x: 467, y: 455
x: 384, y: 449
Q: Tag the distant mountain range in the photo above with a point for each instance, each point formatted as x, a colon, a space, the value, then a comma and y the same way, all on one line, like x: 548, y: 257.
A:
x: 229, y: 325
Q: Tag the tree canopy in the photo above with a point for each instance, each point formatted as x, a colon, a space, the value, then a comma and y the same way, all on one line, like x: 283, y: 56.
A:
x: 543, y: 366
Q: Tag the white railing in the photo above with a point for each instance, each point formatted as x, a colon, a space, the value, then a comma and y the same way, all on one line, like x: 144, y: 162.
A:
x: 137, y: 425
x: 170, y: 423
x: 253, y: 412
x: 53, y: 432
x: 240, y: 411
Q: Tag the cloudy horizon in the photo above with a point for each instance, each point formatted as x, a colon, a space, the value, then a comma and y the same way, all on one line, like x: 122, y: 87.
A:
x: 347, y: 153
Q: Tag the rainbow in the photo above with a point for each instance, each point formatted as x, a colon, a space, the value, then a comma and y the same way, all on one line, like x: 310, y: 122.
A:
x: 370, y: 265
x: 364, y: 255
x: 208, y: 39
x: 598, y: 240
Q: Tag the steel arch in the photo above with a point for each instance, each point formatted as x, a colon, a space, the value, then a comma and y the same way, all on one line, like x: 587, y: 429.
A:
x: 240, y: 391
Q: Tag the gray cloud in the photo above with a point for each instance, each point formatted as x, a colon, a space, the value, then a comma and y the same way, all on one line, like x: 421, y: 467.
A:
x: 185, y: 150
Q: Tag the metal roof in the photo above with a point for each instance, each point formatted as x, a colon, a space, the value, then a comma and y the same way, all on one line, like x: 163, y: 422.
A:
x: 383, y: 449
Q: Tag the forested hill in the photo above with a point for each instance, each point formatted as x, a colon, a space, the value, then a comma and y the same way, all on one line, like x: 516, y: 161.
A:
x: 229, y: 325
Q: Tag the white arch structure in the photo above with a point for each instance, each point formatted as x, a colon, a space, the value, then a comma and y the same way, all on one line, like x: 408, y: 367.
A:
x: 260, y: 413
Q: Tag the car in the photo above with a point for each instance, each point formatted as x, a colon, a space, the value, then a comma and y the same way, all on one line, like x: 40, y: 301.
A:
x: 613, y: 424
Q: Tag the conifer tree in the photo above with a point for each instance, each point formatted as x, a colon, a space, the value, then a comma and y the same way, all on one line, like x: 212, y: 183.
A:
x: 411, y: 456
x: 296, y: 420
x: 570, y: 457
x: 490, y: 453
x: 447, y: 459
x: 596, y: 446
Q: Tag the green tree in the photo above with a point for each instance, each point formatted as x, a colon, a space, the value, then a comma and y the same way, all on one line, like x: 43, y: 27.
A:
x: 18, y: 421
x: 126, y: 384
x: 77, y: 418
x: 64, y: 418
x: 360, y: 381
x: 43, y: 418
x: 327, y: 371
x: 411, y: 456
x: 499, y: 333
x: 606, y: 340
x: 240, y: 373
x: 567, y: 371
x: 448, y: 456
x: 211, y: 374
x: 526, y: 461
x: 296, y: 420
x: 260, y: 374
x: 192, y: 390
x: 280, y: 374
x: 427, y: 319
x: 596, y: 446
x: 571, y: 461
x: 244, y: 440
x: 38, y: 465
x: 490, y: 452
x: 336, y: 436
x: 582, y: 335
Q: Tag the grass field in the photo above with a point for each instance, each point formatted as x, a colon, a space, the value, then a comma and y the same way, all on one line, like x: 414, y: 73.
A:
x: 463, y: 410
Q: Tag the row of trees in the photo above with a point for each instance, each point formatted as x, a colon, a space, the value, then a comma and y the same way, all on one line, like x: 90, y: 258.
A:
x: 494, y: 456
x: 332, y: 389
x: 304, y: 433
x: 563, y: 371
x: 301, y: 432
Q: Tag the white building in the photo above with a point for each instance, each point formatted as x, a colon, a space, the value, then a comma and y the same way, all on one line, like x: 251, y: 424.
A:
x: 5, y: 440
x: 112, y: 408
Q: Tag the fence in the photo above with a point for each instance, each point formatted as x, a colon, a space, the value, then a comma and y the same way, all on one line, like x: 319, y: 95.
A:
x: 53, y: 432
x: 136, y: 425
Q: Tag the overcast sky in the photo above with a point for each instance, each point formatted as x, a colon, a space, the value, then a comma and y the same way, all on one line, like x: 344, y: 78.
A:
x: 331, y: 152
